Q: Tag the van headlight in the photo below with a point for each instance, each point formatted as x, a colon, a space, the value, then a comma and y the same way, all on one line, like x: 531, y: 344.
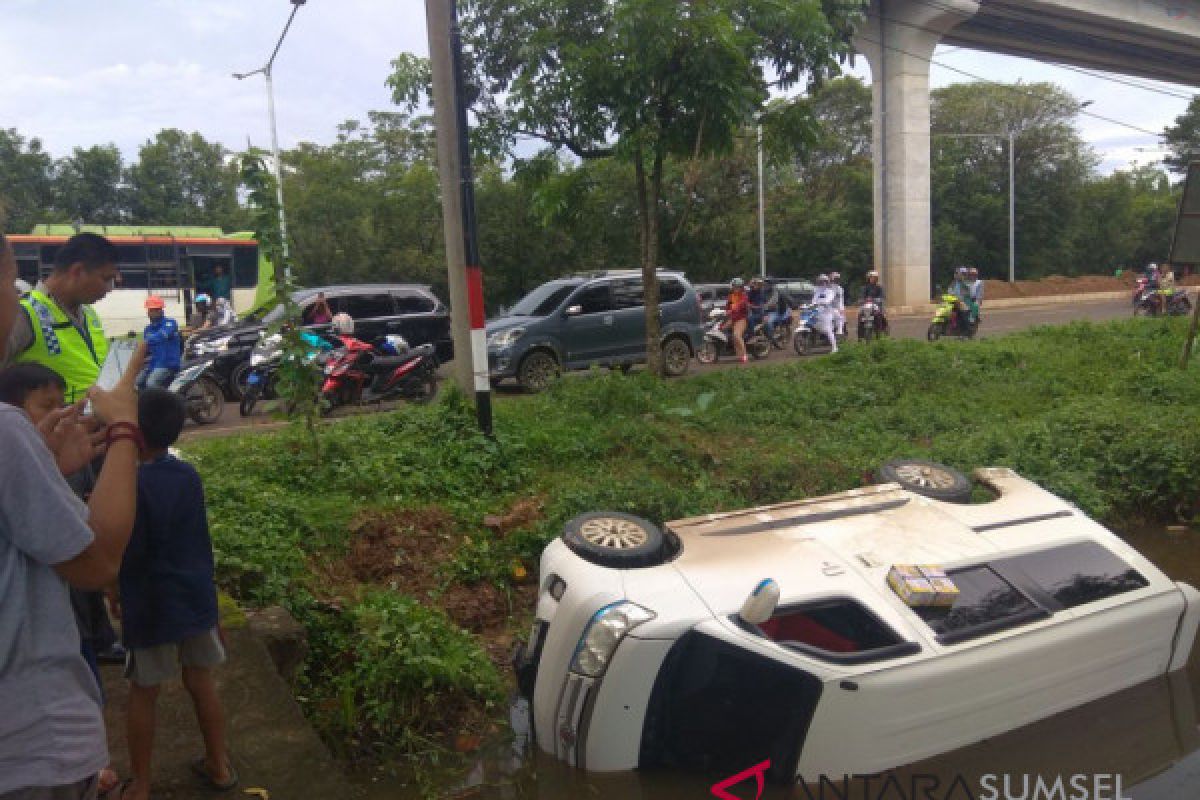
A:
x: 505, y: 338
x: 603, y: 633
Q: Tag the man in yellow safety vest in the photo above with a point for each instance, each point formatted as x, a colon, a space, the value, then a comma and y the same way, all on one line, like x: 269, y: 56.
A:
x: 59, y: 327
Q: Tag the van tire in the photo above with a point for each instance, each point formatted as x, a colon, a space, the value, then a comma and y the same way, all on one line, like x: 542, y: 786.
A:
x: 928, y: 479
x: 613, y: 539
x: 537, y: 371
x: 676, y: 356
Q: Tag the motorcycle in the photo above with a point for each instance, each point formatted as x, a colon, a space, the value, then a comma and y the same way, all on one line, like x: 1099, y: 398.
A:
x: 1148, y: 302
x: 360, y: 373
x: 872, y: 322
x: 265, y: 360
x: 718, y: 341
x: 201, y: 390
x: 947, y: 321
x: 807, y: 338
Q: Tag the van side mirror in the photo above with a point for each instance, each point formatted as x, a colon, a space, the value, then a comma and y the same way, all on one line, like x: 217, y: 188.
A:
x: 574, y: 311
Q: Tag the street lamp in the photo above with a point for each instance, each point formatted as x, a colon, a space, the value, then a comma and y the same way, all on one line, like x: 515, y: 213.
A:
x: 265, y: 71
x: 1012, y: 195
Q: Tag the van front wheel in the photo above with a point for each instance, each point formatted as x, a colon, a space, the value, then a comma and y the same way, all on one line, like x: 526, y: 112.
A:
x: 676, y: 356
x: 538, y: 370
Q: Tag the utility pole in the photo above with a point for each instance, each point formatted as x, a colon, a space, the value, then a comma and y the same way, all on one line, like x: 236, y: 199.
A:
x: 762, y: 205
x: 458, y: 209
x: 1012, y: 207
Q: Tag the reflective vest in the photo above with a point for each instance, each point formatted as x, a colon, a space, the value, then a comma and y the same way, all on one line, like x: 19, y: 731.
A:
x: 59, y: 345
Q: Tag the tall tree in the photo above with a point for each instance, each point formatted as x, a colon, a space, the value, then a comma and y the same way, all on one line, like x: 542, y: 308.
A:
x: 969, y: 177
x: 26, y: 182
x: 88, y: 185
x: 1183, y: 138
x: 644, y: 80
x: 183, y: 179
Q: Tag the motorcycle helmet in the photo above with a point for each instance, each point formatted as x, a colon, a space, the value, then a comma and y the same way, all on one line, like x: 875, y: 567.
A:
x: 873, y: 274
x: 736, y: 283
x: 972, y: 272
x: 202, y: 299
x: 343, y: 323
x: 835, y: 276
x: 394, y: 344
x: 822, y: 279
x: 154, y: 302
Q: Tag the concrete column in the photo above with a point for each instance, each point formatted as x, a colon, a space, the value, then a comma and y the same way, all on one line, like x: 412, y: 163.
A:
x: 898, y: 39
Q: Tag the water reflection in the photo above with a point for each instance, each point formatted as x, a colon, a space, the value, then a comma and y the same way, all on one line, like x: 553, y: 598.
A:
x: 1149, y: 735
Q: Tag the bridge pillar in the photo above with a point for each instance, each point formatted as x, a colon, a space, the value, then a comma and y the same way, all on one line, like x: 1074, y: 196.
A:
x: 898, y: 39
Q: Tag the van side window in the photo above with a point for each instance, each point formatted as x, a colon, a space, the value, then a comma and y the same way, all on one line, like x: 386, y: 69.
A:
x: 986, y: 603
x: 838, y: 630
x: 594, y: 299
x: 367, y: 306
x: 670, y: 290
x: 628, y: 293
x: 1077, y: 573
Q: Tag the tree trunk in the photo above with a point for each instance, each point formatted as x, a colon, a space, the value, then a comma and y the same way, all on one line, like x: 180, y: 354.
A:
x: 649, y: 190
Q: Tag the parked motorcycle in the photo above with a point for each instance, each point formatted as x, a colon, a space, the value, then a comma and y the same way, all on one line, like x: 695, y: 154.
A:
x: 265, y: 361
x: 871, y: 321
x: 201, y: 390
x: 361, y: 373
x: 718, y: 341
x: 807, y: 339
x: 1149, y: 303
x: 948, y: 322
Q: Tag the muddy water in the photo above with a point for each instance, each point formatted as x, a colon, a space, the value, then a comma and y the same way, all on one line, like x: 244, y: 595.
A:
x: 1146, y: 738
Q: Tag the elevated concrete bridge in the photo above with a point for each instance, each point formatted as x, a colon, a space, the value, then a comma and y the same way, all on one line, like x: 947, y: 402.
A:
x: 1157, y: 39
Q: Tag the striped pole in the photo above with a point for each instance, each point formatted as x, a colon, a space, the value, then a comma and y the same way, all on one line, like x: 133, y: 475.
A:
x: 474, y: 271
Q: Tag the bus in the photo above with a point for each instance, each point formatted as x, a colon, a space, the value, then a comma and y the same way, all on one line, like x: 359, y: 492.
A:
x: 174, y: 262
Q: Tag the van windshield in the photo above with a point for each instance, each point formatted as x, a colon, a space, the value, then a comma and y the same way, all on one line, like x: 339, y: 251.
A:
x: 542, y: 300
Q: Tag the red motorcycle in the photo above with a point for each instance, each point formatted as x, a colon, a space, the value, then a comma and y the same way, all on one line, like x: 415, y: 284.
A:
x: 360, y: 373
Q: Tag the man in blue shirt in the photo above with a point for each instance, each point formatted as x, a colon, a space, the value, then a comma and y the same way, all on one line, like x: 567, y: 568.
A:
x: 162, y: 339
x: 221, y: 284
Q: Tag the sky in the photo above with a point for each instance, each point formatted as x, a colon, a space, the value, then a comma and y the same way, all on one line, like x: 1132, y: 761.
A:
x: 79, y: 73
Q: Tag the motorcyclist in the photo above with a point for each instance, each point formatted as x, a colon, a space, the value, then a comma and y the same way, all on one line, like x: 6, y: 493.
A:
x: 203, y: 317
x: 163, y: 347
x: 757, y: 299
x: 1166, y: 287
x: 224, y: 312
x: 839, y: 302
x: 961, y: 289
x: 976, y: 285
x: 737, y: 311
x: 343, y: 324
x: 781, y: 308
x: 824, y: 298
x: 873, y: 291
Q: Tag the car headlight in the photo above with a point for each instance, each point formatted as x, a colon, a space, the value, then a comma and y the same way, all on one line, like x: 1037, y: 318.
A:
x: 603, y: 633
x: 505, y: 338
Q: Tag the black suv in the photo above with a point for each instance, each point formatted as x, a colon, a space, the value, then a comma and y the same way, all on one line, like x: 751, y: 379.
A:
x: 411, y: 310
x: 586, y: 320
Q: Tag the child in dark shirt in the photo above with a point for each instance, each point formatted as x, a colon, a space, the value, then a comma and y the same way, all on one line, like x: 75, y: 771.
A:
x: 169, y: 601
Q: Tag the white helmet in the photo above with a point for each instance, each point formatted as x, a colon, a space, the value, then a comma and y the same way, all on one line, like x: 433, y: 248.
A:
x: 822, y: 278
x: 343, y: 323
x: 835, y: 276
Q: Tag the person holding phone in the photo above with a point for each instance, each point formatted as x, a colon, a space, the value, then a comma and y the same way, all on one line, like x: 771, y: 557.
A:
x: 59, y: 328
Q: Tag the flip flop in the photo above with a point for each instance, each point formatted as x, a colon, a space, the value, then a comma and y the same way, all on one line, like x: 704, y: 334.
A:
x: 107, y: 780
x: 200, y: 770
x: 116, y: 792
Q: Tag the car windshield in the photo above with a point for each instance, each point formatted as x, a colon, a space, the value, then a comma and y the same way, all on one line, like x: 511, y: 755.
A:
x: 275, y: 314
x: 542, y: 300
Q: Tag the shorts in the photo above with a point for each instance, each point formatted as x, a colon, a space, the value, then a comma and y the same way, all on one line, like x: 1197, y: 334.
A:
x: 151, y: 666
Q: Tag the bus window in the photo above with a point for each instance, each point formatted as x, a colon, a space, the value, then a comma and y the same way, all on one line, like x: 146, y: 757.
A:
x: 164, y: 279
x: 131, y: 254
x: 49, y: 251
x: 134, y: 278
x: 245, y: 267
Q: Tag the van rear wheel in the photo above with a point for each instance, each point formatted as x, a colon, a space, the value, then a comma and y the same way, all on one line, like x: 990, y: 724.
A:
x: 928, y: 478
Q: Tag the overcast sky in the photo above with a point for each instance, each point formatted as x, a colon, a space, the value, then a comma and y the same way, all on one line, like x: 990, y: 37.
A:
x: 81, y: 72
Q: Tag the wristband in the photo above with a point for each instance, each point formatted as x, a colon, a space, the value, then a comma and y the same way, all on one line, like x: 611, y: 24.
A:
x: 125, y: 430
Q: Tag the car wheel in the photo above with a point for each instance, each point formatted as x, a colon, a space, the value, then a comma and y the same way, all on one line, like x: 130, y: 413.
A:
x: 707, y: 354
x: 928, y: 478
x: 675, y: 357
x: 613, y: 539
x: 237, y: 380
x: 205, y: 401
x: 538, y: 370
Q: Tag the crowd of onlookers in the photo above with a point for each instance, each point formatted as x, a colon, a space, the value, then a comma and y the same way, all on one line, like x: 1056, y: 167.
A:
x: 98, y: 520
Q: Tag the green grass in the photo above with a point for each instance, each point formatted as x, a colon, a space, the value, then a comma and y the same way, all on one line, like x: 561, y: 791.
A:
x: 1096, y: 413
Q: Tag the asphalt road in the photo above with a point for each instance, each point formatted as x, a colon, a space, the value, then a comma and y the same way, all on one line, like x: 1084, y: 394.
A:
x: 995, y: 323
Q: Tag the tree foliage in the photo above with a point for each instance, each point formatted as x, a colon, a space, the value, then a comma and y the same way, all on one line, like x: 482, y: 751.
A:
x: 1183, y: 138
